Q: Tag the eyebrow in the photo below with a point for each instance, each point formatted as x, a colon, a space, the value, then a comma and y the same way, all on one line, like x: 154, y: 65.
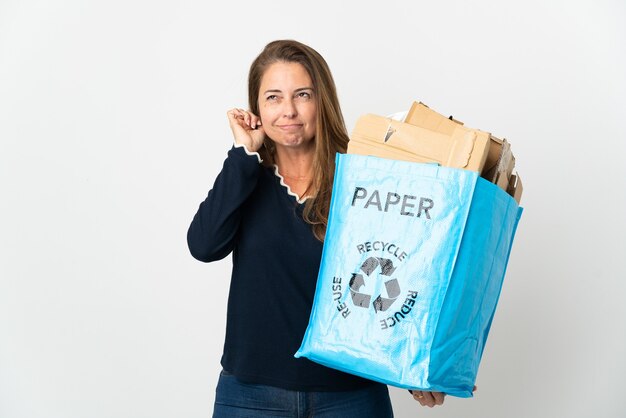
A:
x: 295, y: 91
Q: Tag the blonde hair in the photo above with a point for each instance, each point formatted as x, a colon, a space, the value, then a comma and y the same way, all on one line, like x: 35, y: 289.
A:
x: 331, y: 136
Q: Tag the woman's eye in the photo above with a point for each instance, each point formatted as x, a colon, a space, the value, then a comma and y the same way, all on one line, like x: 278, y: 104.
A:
x: 304, y: 94
x: 271, y: 97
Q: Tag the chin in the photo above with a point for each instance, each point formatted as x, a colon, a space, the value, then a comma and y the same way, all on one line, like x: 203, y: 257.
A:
x: 294, y: 142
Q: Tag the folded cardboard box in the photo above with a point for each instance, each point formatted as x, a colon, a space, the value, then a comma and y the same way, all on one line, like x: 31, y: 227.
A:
x: 428, y: 137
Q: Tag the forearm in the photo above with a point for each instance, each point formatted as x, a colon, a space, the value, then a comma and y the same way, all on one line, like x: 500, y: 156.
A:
x: 212, y: 232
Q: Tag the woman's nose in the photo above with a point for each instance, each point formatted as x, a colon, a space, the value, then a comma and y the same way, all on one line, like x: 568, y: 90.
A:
x: 289, y: 109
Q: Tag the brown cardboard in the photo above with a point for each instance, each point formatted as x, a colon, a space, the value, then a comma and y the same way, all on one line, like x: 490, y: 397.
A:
x: 505, y: 166
x: 387, y: 138
x: 421, y: 115
x: 491, y: 165
x: 428, y: 136
x: 515, y: 187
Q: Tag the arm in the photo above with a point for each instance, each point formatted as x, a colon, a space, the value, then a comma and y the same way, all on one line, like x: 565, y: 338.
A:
x: 214, y: 227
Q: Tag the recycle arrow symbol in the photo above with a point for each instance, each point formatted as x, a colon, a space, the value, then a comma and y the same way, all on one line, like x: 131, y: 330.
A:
x: 357, y: 281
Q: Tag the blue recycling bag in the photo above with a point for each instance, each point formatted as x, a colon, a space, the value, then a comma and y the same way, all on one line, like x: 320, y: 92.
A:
x: 412, y: 268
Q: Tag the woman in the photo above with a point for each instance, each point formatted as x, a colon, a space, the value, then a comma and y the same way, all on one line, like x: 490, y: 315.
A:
x: 269, y: 206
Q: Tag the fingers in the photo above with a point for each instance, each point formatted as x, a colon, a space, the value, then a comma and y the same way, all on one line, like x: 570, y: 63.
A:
x: 428, y: 399
x: 431, y: 399
x: 247, y: 128
x: 244, y: 117
x: 439, y: 397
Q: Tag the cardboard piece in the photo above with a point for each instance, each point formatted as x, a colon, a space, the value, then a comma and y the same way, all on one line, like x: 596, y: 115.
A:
x: 422, y: 115
x: 426, y: 136
x: 387, y: 138
x: 515, y: 187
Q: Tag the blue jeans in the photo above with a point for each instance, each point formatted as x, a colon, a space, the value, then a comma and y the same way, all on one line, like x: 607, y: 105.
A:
x: 235, y: 399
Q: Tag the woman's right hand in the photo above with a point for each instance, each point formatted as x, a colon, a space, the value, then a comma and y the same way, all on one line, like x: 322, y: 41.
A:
x: 247, y: 129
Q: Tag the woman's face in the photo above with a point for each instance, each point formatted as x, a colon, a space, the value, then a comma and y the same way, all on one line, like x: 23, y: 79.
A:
x: 287, y: 105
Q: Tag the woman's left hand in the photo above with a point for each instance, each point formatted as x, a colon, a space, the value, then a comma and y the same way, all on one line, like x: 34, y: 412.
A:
x: 428, y: 399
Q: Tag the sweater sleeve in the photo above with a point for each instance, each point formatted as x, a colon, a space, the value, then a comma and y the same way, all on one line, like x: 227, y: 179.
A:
x: 211, y: 235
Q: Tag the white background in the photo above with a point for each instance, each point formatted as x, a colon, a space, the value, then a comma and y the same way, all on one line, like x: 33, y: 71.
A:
x: 113, y: 127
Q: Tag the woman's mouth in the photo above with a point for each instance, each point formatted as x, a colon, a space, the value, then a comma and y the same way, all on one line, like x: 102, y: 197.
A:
x: 290, y: 127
